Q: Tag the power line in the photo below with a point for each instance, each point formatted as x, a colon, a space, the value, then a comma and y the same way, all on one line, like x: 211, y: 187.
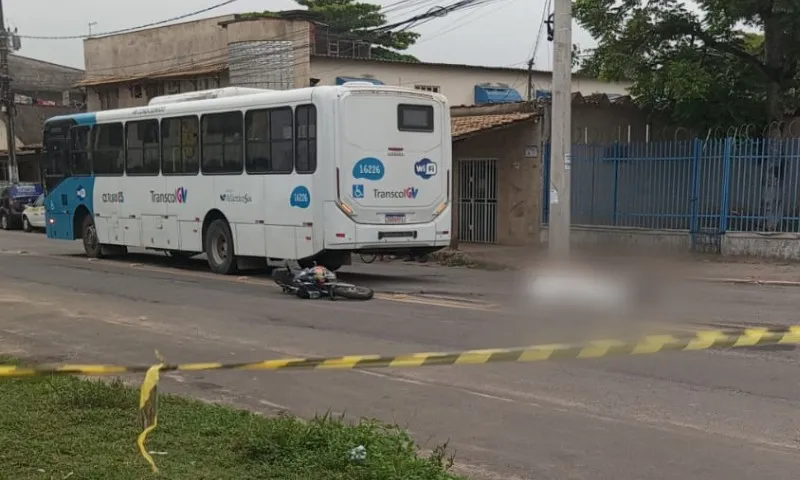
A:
x: 400, y: 5
x: 220, y: 55
x: 435, y: 12
x: 463, y: 23
x: 131, y: 29
x: 542, y: 23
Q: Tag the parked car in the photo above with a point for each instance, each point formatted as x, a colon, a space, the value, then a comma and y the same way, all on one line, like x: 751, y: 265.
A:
x: 33, y: 215
x: 13, y: 200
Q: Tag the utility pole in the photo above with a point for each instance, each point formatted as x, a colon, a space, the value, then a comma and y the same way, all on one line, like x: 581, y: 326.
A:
x: 561, y: 141
x: 530, y: 79
x: 7, y: 98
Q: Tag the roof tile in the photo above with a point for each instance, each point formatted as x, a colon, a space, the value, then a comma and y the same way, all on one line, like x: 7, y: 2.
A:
x: 462, y: 126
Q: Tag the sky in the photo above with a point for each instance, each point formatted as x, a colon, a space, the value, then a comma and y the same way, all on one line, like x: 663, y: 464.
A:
x: 500, y: 33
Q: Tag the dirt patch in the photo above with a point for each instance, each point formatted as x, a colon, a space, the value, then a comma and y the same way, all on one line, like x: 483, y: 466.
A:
x: 458, y: 258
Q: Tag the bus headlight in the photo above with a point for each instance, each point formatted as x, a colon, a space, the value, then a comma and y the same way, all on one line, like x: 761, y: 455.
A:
x: 441, y: 208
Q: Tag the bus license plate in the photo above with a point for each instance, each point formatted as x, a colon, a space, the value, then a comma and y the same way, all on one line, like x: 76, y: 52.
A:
x: 395, y: 219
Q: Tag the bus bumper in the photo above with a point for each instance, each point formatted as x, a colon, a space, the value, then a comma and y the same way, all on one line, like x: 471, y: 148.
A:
x: 342, y: 233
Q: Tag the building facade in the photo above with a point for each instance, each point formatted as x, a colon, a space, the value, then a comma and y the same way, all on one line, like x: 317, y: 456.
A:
x: 498, y: 139
x: 461, y: 84
x: 282, y: 51
x: 36, y: 82
x: 41, y: 90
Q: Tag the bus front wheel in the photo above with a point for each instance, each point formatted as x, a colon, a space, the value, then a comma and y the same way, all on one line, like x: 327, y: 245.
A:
x: 219, y: 248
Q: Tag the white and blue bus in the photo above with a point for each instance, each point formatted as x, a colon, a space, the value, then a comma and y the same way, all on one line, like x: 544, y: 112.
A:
x: 307, y: 175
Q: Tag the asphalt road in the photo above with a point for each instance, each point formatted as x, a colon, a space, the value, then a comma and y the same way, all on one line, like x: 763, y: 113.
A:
x: 711, y: 415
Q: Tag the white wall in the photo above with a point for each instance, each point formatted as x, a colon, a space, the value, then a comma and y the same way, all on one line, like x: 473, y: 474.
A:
x: 4, y: 137
x: 456, y: 82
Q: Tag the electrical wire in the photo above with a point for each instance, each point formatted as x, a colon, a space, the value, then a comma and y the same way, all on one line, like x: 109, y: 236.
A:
x: 436, y: 12
x: 397, y: 6
x: 210, y: 59
x: 130, y: 29
x: 542, y: 23
x: 457, y: 25
x: 220, y: 57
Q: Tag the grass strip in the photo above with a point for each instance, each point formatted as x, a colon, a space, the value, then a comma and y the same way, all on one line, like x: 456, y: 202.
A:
x: 70, y: 428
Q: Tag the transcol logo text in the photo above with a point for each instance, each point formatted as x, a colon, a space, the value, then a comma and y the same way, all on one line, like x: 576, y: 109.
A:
x: 178, y: 196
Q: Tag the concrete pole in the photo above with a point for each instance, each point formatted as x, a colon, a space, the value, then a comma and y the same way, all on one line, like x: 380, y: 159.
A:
x: 8, y: 98
x: 560, y: 153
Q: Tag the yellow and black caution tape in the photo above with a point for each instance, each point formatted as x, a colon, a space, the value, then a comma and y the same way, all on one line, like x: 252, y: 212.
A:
x: 148, y: 402
x: 701, y: 340
x: 148, y: 405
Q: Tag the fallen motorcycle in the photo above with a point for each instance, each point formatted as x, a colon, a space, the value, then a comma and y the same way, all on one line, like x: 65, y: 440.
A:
x: 318, y: 282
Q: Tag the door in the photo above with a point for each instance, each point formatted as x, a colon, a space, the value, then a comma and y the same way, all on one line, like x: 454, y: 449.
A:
x: 477, y: 200
x: 35, y: 213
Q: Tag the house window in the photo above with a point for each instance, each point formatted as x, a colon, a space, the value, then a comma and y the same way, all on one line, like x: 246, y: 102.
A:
x: 428, y: 88
x: 153, y: 90
x: 109, y: 98
x: 173, y: 87
x: 207, y: 83
x: 137, y: 91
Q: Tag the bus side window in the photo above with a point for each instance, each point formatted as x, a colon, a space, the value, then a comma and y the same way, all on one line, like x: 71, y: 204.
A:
x: 222, y: 140
x: 108, y: 152
x: 141, y: 148
x: 305, y: 134
x: 281, y: 143
x: 79, y: 141
x: 257, y: 141
x: 270, y: 145
x: 180, y: 146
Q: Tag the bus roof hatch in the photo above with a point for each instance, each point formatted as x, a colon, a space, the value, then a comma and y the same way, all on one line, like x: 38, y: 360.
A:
x: 205, y: 95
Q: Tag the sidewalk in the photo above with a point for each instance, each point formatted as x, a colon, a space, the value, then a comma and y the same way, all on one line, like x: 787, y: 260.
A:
x: 705, y: 267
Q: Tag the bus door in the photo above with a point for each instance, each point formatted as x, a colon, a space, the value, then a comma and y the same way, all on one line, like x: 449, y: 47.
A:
x: 58, y: 212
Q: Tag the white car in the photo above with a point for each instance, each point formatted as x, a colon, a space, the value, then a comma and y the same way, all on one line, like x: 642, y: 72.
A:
x: 33, y: 216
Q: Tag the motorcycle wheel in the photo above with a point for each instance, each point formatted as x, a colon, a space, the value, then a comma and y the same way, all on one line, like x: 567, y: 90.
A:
x: 353, y: 292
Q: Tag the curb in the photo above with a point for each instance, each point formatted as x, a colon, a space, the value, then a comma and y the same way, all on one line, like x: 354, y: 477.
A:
x: 749, y: 281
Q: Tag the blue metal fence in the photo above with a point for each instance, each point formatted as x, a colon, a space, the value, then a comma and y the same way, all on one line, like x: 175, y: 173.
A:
x: 714, y: 185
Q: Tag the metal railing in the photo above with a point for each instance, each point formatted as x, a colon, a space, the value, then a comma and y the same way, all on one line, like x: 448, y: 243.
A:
x: 714, y: 185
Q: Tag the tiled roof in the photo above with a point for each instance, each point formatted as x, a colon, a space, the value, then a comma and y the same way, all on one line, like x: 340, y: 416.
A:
x: 195, y: 71
x: 462, y: 126
x: 32, y: 75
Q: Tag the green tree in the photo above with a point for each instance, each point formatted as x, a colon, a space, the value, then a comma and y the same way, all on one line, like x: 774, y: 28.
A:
x: 360, y: 20
x: 699, y: 67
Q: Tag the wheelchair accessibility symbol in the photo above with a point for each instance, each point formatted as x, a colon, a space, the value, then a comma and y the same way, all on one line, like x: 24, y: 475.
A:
x: 358, y: 191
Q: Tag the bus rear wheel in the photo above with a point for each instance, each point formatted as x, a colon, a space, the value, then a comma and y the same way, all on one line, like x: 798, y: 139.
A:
x: 91, y: 243
x: 219, y: 248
